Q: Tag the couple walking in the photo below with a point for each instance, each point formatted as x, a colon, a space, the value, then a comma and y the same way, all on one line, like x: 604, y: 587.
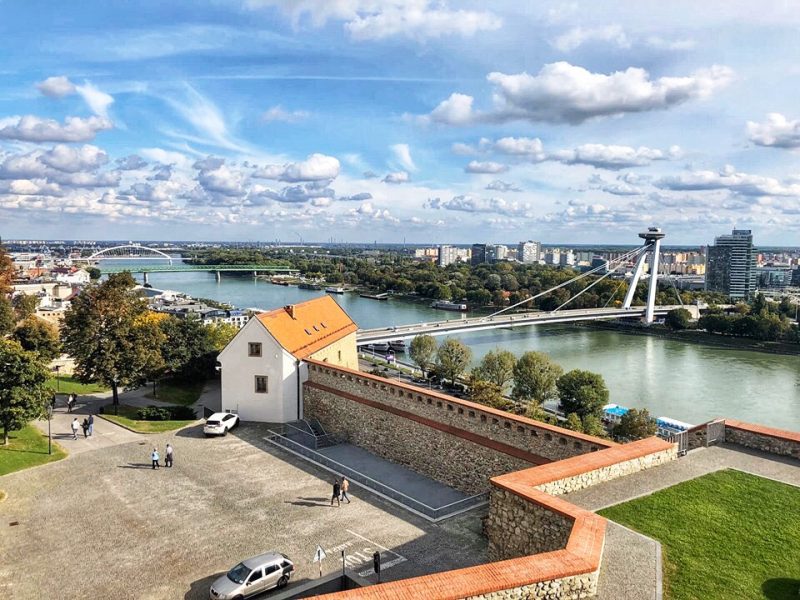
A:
x: 340, y: 491
x: 87, y: 426
x: 154, y: 456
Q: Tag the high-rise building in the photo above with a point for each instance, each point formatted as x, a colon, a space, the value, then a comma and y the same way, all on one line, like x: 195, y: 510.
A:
x: 496, y: 252
x: 450, y: 254
x: 478, y: 256
x: 528, y: 252
x: 731, y: 265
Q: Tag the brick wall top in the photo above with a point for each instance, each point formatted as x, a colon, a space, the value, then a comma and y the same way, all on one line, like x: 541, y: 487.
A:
x: 400, y: 385
x: 781, y: 434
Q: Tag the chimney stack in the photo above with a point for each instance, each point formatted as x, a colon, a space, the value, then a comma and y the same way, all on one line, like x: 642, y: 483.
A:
x: 290, y: 309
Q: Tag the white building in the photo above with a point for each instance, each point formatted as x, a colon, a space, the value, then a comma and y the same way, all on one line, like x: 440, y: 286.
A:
x: 262, y: 367
x: 528, y: 252
x: 73, y: 277
x: 451, y: 254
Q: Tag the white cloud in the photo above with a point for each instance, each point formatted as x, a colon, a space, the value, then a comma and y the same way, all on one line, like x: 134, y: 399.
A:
x: 475, y: 166
x: 729, y: 179
x: 279, y: 114
x: 502, y: 186
x: 132, y: 162
x: 380, y: 19
x: 471, y: 204
x: 97, y: 100
x: 316, y: 167
x: 402, y: 154
x: 565, y: 93
x: 777, y: 132
x: 611, y: 157
x: 462, y: 149
x: 522, y: 146
x: 30, y: 128
x: 397, y: 177
x: 71, y: 159
x: 56, y: 87
x: 578, y: 36
x: 222, y: 180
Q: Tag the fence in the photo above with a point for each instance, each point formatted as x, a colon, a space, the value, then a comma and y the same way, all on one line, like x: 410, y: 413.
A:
x: 434, y: 514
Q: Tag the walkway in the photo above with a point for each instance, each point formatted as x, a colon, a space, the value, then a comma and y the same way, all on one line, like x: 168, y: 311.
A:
x: 105, y: 433
x: 631, y: 562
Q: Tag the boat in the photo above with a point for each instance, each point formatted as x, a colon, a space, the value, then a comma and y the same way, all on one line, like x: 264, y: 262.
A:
x: 383, y: 296
x: 334, y: 290
x: 277, y: 281
x: 447, y: 305
x: 377, y: 347
x: 309, y: 286
x: 397, y: 345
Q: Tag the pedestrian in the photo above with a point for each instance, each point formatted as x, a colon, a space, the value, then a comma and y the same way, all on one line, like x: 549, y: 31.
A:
x: 336, y: 492
x: 154, y: 458
x: 75, y: 426
x: 91, y: 425
x: 168, y: 456
x: 85, y: 427
x: 345, y: 487
x: 69, y: 403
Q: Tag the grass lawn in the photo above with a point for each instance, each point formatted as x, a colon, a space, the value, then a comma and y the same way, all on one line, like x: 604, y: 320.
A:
x: 178, y: 392
x: 127, y: 417
x: 27, y: 448
x: 724, y: 535
x: 68, y: 385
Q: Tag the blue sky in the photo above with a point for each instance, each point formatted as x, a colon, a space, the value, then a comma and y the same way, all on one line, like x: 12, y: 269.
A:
x: 363, y: 120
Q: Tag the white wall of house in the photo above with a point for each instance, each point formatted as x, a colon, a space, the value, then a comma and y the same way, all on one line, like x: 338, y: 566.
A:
x: 239, y: 370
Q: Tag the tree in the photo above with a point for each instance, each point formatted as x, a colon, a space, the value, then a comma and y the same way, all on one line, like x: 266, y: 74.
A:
x: 105, y: 333
x: 488, y: 393
x: 678, y: 319
x: 497, y: 367
x: 635, y: 425
x: 592, y: 425
x: 453, y: 358
x: 535, y: 377
x: 24, y: 305
x: 94, y: 273
x: 582, y: 392
x: 35, y: 335
x: 493, y: 282
x: 422, y: 351
x: 220, y: 335
x: 573, y: 422
x: 7, y: 317
x: 23, y: 391
x: 188, y: 350
x: 7, y: 272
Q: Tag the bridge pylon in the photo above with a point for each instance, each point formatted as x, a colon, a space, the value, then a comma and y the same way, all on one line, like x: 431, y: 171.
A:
x: 652, y: 248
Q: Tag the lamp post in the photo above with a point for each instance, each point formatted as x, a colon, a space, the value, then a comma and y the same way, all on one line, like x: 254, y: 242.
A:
x: 57, y: 369
x: 49, y: 434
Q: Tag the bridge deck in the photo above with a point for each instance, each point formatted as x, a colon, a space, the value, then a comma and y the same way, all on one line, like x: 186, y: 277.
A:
x: 209, y: 268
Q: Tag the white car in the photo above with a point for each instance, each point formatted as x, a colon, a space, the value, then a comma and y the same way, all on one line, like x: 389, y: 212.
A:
x: 220, y: 423
x: 253, y: 576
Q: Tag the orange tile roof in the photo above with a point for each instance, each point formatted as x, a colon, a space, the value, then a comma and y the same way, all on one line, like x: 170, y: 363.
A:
x: 308, y: 327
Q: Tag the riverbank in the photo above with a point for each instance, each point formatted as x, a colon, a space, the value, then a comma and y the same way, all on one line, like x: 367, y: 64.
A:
x: 693, y: 336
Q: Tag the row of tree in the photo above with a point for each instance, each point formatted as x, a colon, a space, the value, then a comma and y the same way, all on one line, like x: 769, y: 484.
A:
x: 503, y: 381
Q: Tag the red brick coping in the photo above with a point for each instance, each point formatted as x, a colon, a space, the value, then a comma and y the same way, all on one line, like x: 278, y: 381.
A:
x: 500, y: 414
x: 582, y: 554
x: 781, y: 434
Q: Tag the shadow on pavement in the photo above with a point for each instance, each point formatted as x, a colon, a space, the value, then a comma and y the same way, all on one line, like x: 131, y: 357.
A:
x: 781, y: 588
x: 309, y: 502
x: 136, y: 466
x: 195, y: 431
x: 199, y: 589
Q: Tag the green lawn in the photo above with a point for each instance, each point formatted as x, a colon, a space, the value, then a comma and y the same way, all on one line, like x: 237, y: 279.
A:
x: 724, y: 535
x: 68, y: 385
x: 178, y: 392
x: 27, y: 448
x: 127, y: 418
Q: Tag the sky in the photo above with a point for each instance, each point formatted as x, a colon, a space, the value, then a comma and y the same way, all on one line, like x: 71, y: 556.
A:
x: 391, y: 120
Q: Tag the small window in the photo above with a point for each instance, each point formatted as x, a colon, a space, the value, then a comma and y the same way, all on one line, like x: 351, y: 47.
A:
x: 460, y: 410
x: 316, y: 328
x: 472, y: 414
x: 438, y: 405
x: 256, y: 575
x: 506, y: 424
x: 520, y: 429
x: 271, y: 569
x: 577, y: 445
x: 254, y: 349
x: 548, y: 437
x: 340, y: 356
x: 307, y: 331
x: 324, y: 326
x: 261, y: 384
x: 450, y: 407
x: 483, y: 418
x: 495, y: 421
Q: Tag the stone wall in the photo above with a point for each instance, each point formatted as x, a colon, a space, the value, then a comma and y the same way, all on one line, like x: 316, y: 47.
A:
x: 534, y: 437
x: 697, y: 437
x: 765, y: 439
x: 454, y: 461
x: 518, y: 527
x: 566, y: 588
x: 620, y: 469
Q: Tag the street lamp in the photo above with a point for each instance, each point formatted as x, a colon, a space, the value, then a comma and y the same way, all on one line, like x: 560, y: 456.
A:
x: 57, y: 369
x: 49, y: 434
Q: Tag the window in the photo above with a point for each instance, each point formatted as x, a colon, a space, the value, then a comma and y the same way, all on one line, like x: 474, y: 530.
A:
x: 340, y: 356
x: 271, y: 569
x: 254, y: 349
x: 261, y: 384
x: 256, y: 575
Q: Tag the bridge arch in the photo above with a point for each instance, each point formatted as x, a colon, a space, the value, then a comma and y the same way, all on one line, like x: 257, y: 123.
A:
x: 129, y: 251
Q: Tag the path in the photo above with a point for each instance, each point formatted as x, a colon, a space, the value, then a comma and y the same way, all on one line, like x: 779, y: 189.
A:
x: 631, y: 562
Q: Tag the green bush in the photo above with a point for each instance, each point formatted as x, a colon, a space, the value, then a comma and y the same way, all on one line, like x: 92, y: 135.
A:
x: 165, y: 413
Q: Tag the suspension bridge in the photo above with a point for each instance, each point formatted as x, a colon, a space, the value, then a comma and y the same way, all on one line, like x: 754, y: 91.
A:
x: 136, y: 252
x: 648, y: 253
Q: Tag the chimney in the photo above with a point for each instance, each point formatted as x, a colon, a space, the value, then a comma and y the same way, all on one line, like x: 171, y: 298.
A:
x: 289, y: 308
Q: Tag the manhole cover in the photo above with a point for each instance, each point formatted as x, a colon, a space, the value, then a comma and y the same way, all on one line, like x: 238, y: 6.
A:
x: 13, y: 523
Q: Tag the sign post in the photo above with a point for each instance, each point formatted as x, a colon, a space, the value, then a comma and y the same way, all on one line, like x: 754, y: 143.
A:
x: 319, y: 555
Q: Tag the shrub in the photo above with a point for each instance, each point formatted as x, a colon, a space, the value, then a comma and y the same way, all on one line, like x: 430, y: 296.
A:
x: 165, y: 413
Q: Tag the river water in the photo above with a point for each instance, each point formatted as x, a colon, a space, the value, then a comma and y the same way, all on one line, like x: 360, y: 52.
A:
x: 690, y: 382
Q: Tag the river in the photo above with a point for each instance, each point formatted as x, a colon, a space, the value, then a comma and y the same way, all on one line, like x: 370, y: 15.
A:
x: 686, y: 381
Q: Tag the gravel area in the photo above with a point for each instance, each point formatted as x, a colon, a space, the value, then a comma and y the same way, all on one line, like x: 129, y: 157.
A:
x: 103, y: 524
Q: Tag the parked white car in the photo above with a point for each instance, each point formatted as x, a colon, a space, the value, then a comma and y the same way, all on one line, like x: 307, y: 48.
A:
x: 220, y: 423
x: 253, y: 576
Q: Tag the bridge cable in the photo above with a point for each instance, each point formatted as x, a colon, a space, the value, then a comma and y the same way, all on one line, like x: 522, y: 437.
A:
x: 680, y: 301
x: 625, y: 256
x: 588, y: 287
x: 611, y: 297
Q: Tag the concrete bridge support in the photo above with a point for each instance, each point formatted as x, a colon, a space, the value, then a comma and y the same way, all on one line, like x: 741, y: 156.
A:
x: 144, y: 277
x: 652, y: 247
x: 218, y: 276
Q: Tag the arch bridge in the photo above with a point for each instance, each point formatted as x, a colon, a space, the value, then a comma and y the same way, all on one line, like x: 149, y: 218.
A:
x: 129, y: 252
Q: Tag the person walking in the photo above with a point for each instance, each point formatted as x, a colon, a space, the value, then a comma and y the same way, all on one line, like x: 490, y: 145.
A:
x: 336, y: 492
x: 154, y: 457
x: 75, y: 426
x: 345, y: 487
x: 168, y: 456
x: 85, y: 427
x: 70, y: 400
x: 91, y: 425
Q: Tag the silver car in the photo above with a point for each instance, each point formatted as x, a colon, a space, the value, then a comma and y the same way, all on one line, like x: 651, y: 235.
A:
x: 253, y: 576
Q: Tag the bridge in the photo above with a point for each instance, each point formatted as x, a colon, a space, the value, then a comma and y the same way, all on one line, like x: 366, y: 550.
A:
x: 216, y: 269
x: 507, y: 321
x: 648, y: 253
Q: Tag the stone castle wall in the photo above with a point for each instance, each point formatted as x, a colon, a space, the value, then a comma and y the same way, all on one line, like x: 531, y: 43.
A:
x: 765, y: 439
x: 566, y: 588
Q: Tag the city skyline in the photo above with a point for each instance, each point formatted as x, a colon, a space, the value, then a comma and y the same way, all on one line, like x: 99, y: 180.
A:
x: 401, y: 120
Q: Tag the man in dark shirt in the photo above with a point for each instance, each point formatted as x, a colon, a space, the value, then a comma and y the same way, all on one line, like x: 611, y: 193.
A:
x: 336, y: 492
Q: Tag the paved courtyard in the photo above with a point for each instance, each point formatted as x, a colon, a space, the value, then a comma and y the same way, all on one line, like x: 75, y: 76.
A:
x: 103, y: 524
